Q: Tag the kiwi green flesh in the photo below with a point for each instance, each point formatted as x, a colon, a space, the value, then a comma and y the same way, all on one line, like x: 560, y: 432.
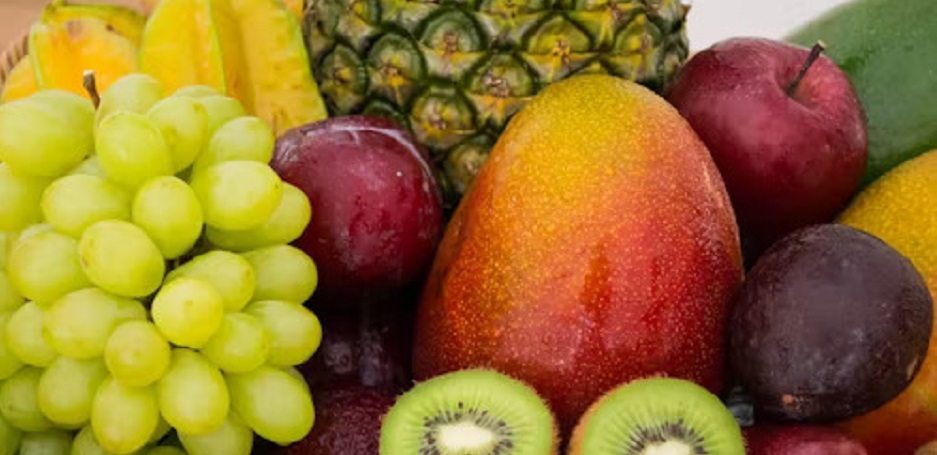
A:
x: 661, y: 417
x: 471, y: 412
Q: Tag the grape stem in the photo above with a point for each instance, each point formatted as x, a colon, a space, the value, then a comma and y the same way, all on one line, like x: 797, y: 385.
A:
x: 91, y: 87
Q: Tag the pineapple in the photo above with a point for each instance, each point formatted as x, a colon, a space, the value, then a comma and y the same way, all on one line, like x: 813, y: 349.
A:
x: 455, y: 71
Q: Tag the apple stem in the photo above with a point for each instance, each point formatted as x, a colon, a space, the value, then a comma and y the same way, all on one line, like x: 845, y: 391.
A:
x: 91, y: 87
x: 814, y: 55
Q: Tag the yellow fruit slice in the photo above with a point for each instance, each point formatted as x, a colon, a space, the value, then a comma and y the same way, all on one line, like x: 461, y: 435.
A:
x: 181, y: 45
x: 21, y: 82
x: 296, y: 7
x: 61, y: 53
x: 282, y: 89
x: 124, y: 21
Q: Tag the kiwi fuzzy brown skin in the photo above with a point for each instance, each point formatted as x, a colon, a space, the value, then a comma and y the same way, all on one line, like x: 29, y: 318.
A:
x: 444, y: 388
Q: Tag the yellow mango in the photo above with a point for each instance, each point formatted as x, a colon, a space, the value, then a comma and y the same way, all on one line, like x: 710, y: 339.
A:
x: 61, y: 53
x: 21, y: 82
x: 296, y: 7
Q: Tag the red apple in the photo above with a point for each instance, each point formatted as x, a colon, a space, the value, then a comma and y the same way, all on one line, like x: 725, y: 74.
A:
x: 800, y: 440
x: 376, y: 206
x: 791, y: 145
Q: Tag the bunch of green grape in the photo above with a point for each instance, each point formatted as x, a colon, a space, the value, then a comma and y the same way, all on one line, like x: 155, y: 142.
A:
x: 148, y: 292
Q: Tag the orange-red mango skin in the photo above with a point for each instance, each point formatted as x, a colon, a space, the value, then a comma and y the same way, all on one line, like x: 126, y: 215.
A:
x: 597, y: 246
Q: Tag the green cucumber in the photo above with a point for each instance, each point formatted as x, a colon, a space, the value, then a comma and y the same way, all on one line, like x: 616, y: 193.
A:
x: 889, y: 49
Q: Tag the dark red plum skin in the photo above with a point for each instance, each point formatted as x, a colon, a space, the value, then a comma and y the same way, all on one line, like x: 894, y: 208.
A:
x: 787, y: 161
x: 830, y: 323
x: 368, y: 344
x: 377, y: 213
x: 800, y: 440
x: 348, y: 422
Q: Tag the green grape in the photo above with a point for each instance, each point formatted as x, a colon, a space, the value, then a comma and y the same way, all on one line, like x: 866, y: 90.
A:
x: 45, y: 266
x: 85, y: 444
x: 67, y: 388
x: 72, y: 203
x: 18, y: 401
x: 132, y: 150
x: 295, y: 332
x: 79, y: 324
x: 230, y: 274
x: 183, y: 122
x: 241, y: 139
x: 233, y: 438
x: 162, y: 429
x: 51, y: 442
x: 90, y: 166
x: 188, y: 311
x: 20, y: 195
x: 283, y: 272
x: 167, y: 209
x: 286, y: 224
x: 135, y: 93
x: 10, y: 298
x: 123, y: 418
x: 197, y: 91
x: 220, y: 110
x: 166, y: 450
x: 79, y: 110
x: 120, y: 257
x: 10, y: 438
x: 273, y: 403
x: 292, y: 371
x: 9, y: 362
x: 31, y: 231
x: 41, y: 140
x: 7, y: 239
x: 192, y: 395
x: 25, y: 339
x: 136, y: 353
x: 242, y: 344
x: 237, y: 195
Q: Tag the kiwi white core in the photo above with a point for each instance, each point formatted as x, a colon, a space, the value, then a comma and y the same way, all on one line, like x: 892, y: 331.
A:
x: 669, y: 448
x: 466, y: 437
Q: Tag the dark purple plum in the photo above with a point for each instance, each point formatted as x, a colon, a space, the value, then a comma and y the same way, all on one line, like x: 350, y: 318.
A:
x: 830, y: 323
x: 377, y: 207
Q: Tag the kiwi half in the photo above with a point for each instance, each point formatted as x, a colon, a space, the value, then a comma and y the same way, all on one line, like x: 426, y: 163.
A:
x: 469, y: 412
x: 658, y: 416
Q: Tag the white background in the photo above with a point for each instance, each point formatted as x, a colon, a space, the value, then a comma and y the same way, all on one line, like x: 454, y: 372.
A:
x: 714, y: 20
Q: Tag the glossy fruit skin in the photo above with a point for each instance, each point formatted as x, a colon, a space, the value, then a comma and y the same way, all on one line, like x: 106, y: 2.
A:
x: 376, y: 207
x: 599, y: 231
x: 367, y: 344
x: 892, y: 72
x: 830, y: 323
x: 897, y: 209
x: 788, y: 161
x: 800, y: 440
x: 348, y: 422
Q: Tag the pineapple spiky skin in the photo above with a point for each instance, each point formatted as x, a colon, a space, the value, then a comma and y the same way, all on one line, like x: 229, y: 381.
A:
x: 455, y: 71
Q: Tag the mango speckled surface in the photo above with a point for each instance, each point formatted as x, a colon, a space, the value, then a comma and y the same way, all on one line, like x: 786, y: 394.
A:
x: 899, y: 209
x: 598, y: 245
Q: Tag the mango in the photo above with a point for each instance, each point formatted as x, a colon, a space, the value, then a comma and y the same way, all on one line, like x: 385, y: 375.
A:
x: 899, y: 209
x: 251, y: 50
x: 598, y: 245
x: 61, y: 52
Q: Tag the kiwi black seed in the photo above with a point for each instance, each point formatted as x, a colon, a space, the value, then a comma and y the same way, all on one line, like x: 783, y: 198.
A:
x: 658, y: 416
x: 469, y: 412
